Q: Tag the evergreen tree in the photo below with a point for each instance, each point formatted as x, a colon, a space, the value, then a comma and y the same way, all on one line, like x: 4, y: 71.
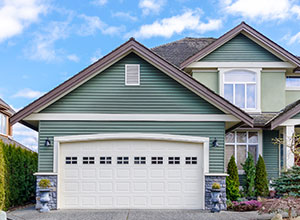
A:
x: 232, y: 181
x: 261, y: 180
x: 249, y: 169
x: 288, y: 182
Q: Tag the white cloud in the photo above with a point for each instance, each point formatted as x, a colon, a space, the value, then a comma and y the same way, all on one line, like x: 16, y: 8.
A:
x: 151, y: 6
x: 167, y: 27
x: 25, y: 136
x: 73, y: 57
x: 295, y: 38
x: 15, y: 15
x: 261, y: 10
x: 43, y: 44
x: 28, y: 93
x: 99, y: 2
x: 296, y: 10
x: 125, y: 15
x: 93, y: 23
x: 97, y: 55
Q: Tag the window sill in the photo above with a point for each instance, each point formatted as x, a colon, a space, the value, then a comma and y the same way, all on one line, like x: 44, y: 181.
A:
x: 292, y: 89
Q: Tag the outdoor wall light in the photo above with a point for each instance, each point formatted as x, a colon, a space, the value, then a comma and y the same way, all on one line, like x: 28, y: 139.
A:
x: 215, y: 143
x: 47, y: 142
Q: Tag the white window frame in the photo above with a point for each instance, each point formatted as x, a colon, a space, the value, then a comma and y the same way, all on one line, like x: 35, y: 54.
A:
x: 4, y: 120
x: 257, y: 71
x: 139, y: 74
x: 259, y: 147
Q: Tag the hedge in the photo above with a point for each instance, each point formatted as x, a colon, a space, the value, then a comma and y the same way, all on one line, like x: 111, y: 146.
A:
x: 17, y: 182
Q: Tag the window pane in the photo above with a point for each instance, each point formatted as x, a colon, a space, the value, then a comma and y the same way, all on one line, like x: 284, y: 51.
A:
x: 253, y: 150
x: 229, y: 138
x: 253, y: 137
x: 241, y: 156
x: 228, y: 92
x: 251, y: 99
x: 292, y: 82
x: 240, y: 95
x: 241, y: 137
x: 240, y: 76
x: 229, y: 151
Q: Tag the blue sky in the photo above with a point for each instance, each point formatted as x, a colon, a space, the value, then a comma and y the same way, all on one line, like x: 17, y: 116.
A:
x: 44, y: 42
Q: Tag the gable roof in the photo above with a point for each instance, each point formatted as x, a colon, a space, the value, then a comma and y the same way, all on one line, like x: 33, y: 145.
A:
x: 243, y: 27
x: 178, y: 51
x: 132, y: 46
x: 5, y: 108
x: 288, y: 112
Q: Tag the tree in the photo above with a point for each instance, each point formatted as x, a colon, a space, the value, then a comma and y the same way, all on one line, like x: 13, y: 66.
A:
x: 249, y: 169
x: 232, y: 181
x: 261, y: 180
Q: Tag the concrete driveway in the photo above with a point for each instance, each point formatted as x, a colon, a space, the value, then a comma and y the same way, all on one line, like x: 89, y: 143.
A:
x: 31, y: 214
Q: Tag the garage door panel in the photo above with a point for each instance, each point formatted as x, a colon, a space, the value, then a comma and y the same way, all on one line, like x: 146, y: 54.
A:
x: 109, y: 184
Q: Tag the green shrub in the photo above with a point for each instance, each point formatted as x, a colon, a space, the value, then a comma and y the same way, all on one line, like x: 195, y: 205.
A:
x: 261, y: 180
x: 249, y: 169
x: 216, y: 186
x: 232, y: 181
x: 288, y: 182
x: 44, y: 183
x: 19, y: 182
x: 2, y: 179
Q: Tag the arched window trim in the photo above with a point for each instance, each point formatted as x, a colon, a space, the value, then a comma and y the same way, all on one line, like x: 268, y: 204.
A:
x: 257, y: 71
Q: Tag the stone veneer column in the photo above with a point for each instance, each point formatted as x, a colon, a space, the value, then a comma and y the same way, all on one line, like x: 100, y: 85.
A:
x: 53, y: 193
x: 209, y: 180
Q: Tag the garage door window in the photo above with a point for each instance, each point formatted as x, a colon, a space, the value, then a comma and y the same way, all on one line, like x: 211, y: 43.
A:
x: 88, y: 160
x: 71, y: 160
x: 139, y: 160
x: 191, y: 160
x: 174, y: 160
x: 157, y: 160
x: 122, y: 160
x: 105, y: 160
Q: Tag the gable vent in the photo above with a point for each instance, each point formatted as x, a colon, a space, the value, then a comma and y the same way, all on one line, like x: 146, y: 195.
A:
x: 132, y: 74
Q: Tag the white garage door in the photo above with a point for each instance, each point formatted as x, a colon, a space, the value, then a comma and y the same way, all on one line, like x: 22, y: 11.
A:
x: 131, y: 174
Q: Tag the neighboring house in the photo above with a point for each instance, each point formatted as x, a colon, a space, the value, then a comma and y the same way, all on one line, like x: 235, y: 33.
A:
x: 6, y: 131
x: 153, y: 128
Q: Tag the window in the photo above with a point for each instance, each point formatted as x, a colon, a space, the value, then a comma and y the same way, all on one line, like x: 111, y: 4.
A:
x: 292, y: 82
x: 240, y: 88
x: 105, y: 160
x: 239, y: 144
x: 3, y: 124
x: 191, y: 160
x: 157, y: 160
x: 174, y: 160
x: 139, y: 160
x: 122, y: 160
x: 71, y: 160
x: 132, y: 74
x: 88, y: 160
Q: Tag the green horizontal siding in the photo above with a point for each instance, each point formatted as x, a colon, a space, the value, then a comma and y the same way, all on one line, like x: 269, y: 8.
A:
x: 63, y: 128
x: 240, y: 49
x: 271, y: 153
x: 107, y: 93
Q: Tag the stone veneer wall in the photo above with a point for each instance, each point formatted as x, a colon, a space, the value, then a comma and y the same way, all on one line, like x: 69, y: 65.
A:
x: 209, y: 180
x: 53, y: 194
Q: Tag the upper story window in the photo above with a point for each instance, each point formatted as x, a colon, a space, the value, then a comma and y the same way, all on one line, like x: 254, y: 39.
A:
x: 292, y: 82
x: 3, y: 124
x: 132, y: 74
x: 240, y: 88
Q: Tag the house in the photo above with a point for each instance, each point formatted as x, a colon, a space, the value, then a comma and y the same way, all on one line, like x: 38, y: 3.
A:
x: 153, y: 128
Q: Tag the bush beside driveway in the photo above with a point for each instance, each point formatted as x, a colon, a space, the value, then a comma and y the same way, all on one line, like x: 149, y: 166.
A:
x: 31, y: 214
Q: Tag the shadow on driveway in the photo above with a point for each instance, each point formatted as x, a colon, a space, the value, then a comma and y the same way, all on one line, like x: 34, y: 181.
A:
x: 31, y: 214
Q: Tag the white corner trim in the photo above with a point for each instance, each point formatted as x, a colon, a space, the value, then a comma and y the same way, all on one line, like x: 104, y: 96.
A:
x: 240, y: 65
x: 216, y: 174
x: 130, y: 117
x: 45, y: 174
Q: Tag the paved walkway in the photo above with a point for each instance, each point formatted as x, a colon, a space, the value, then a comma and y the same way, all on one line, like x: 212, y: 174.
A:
x: 31, y: 214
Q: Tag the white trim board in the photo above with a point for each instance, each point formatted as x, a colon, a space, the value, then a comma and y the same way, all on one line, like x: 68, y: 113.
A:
x: 240, y: 65
x: 130, y: 117
x: 291, y: 122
